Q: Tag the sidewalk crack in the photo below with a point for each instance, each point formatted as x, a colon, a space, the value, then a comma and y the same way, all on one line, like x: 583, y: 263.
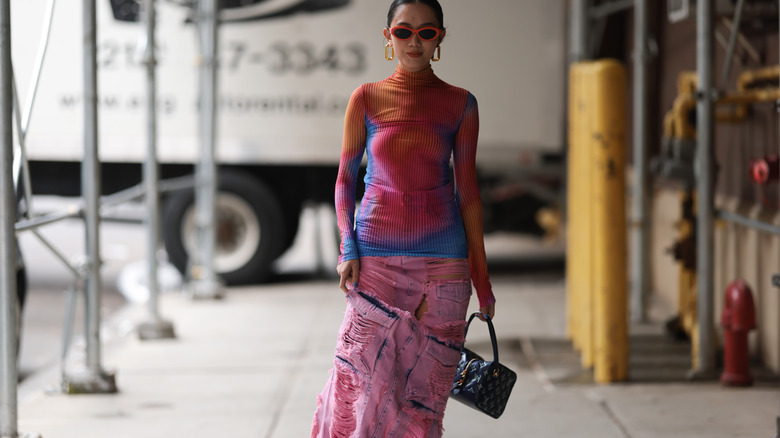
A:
x: 533, y: 361
x: 615, y: 420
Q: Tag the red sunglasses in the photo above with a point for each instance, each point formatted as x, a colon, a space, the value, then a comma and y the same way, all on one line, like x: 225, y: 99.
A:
x: 425, y: 33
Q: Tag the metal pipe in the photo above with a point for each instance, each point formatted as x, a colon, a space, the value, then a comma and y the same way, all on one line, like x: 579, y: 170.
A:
x: 724, y: 44
x: 578, y: 34
x: 179, y: 183
x: 8, y: 302
x: 640, y: 226
x: 122, y: 220
x: 20, y: 168
x: 151, y: 168
x: 748, y: 222
x: 91, y: 378
x: 67, y: 329
x: 703, y: 168
x: 749, y: 49
x: 58, y: 254
x: 578, y: 51
x: 205, y: 283
x: 21, y: 165
x: 26, y: 181
x: 139, y: 190
x: 749, y: 96
x: 155, y: 328
x: 90, y: 189
x: 122, y: 196
x: 732, y: 42
x: 39, y: 221
x: 33, y: 89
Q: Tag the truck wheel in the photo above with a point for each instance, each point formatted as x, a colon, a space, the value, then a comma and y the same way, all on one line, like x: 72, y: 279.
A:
x: 250, y: 229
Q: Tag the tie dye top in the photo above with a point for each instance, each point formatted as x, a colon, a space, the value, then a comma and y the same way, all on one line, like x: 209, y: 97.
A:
x: 411, y: 125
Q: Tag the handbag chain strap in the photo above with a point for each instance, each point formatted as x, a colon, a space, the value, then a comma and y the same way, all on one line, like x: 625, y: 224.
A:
x: 463, y: 373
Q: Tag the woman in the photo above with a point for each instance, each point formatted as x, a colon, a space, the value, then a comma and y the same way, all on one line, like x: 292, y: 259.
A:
x: 408, y: 259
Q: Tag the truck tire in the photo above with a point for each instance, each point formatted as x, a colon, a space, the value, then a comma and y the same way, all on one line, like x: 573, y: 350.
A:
x: 250, y: 229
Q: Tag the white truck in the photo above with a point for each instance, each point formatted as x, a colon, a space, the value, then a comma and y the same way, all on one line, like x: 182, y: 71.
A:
x: 286, y: 71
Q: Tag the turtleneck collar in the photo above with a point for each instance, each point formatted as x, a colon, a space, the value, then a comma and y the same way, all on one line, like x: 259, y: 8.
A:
x: 421, y: 77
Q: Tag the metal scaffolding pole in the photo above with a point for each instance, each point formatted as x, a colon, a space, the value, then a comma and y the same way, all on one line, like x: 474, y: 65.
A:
x: 705, y: 368
x: 92, y: 379
x: 204, y: 282
x: 155, y: 327
x: 732, y: 43
x: 640, y: 225
x: 578, y: 26
x: 90, y: 188
x: 578, y: 51
x: 8, y: 303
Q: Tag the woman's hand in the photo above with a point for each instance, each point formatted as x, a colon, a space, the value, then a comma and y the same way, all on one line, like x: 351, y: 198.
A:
x: 490, y: 311
x: 349, y: 271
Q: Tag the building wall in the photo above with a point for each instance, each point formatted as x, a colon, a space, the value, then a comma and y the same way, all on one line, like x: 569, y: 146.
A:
x: 753, y: 256
x: 739, y: 252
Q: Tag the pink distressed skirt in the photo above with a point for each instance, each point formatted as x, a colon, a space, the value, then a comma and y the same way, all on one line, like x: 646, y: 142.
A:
x: 397, y: 349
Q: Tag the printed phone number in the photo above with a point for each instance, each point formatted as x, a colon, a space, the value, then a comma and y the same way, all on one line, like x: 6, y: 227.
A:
x: 280, y: 58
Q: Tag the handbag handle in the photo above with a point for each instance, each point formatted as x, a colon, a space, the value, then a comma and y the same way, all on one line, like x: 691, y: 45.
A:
x: 492, y: 334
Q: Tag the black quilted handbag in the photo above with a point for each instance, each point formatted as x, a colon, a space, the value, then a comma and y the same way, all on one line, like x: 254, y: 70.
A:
x: 482, y: 384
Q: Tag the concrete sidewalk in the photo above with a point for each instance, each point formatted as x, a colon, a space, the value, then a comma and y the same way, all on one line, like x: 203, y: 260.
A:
x: 251, y: 366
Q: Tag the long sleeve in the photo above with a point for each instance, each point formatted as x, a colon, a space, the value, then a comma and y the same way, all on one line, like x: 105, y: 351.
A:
x: 469, y: 201
x: 411, y: 126
x: 353, y: 147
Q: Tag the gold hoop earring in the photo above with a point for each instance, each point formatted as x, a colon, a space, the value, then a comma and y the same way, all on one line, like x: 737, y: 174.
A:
x: 392, y: 52
x: 437, y: 55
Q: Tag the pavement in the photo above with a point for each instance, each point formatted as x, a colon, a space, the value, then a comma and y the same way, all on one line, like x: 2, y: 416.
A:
x: 251, y: 365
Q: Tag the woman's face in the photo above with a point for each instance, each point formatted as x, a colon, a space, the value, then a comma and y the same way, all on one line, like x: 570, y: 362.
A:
x: 414, y: 54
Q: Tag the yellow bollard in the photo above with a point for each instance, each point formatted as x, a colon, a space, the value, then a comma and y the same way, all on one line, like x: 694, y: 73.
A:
x: 596, y: 252
x: 608, y: 149
x: 572, y: 233
x: 578, y: 254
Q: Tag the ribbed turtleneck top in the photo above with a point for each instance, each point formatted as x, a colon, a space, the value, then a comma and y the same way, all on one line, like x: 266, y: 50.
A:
x: 411, y: 125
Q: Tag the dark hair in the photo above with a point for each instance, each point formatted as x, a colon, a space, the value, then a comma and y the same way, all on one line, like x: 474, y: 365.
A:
x: 433, y: 4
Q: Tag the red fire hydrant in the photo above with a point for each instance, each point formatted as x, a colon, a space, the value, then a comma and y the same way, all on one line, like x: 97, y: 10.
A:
x: 737, y: 319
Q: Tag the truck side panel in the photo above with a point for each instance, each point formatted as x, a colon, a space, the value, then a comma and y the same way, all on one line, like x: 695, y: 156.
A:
x: 285, y: 81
